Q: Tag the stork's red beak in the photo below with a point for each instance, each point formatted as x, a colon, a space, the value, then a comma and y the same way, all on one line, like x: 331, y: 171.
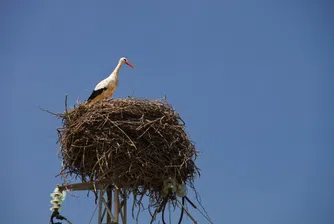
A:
x: 129, y: 64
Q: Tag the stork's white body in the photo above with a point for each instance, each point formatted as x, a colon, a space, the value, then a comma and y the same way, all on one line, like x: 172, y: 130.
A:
x: 106, y: 88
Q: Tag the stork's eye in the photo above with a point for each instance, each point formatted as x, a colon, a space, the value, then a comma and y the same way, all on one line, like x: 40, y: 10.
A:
x: 124, y: 59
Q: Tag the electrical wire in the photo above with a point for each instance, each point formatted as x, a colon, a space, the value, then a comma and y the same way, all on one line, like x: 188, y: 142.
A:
x: 163, y: 211
x: 182, y: 211
x: 56, y: 215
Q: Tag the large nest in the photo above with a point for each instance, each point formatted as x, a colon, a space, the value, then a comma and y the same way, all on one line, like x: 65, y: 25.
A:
x: 134, y: 143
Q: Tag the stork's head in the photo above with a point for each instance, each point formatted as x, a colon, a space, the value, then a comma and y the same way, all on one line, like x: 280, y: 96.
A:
x: 126, y: 61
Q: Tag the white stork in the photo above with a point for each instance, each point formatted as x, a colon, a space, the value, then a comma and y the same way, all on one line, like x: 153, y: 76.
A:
x: 107, y: 87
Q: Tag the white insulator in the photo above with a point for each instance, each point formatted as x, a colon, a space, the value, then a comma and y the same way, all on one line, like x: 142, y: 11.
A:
x: 54, y: 207
x: 56, y: 195
x: 169, y: 181
x: 63, y: 195
x: 56, y: 201
x: 167, y: 189
x: 181, y: 190
x: 169, y: 185
x: 172, y: 188
x: 56, y: 190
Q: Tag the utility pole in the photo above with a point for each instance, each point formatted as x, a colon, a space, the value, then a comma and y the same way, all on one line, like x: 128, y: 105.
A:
x: 112, y: 204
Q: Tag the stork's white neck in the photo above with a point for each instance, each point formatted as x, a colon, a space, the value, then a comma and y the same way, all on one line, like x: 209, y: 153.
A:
x: 116, y: 70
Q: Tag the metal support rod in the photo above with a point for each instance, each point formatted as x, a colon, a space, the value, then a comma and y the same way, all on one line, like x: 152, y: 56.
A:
x: 100, y: 216
x: 109, y: 204
x: 122, y: 204
x: 116, y: 205
x: 104, y: 212
x: 108, y: 210
x: 125, y: 198
x: 86, y: 186
x: 106, y: 203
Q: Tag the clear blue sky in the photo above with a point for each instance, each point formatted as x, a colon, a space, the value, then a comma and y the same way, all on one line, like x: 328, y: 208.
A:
x: 252, y: 79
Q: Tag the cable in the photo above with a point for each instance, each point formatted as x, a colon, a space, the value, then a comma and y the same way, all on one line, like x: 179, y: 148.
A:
x: 169, y: 213
x: 185, y: 210
x: 205, y: 216
x: 163, y: 211
x: 192, y: 204
x: 182, y: 211
x: 56, y: 215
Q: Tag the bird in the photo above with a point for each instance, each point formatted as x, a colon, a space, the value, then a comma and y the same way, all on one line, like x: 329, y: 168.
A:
x: 106, y: 88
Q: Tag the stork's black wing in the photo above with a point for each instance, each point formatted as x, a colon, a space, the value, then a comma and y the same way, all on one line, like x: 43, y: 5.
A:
x: 95, y: 93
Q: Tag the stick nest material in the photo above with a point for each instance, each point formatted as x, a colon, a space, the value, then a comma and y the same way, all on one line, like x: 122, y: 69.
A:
x: 134, y: 143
